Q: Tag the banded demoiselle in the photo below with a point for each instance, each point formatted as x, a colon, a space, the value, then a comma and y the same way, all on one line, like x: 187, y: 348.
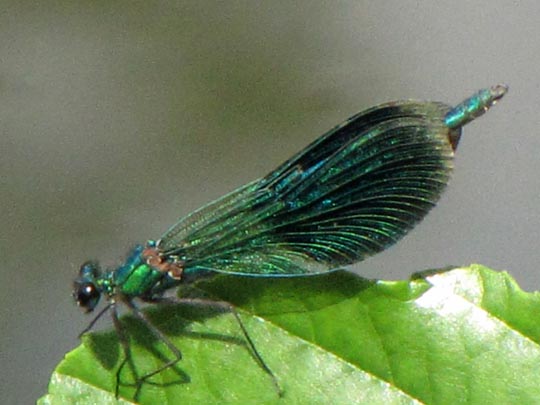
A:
x: 353, y: 192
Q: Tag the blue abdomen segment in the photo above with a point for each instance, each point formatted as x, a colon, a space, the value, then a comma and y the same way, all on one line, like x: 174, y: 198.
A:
x: 135, y: 277
x: 474, y: 106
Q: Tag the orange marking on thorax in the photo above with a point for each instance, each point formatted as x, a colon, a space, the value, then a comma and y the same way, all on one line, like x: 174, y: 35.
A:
x: 154, y: 258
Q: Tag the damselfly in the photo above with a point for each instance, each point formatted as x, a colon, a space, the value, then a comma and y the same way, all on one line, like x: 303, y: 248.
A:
x: 353, y: 192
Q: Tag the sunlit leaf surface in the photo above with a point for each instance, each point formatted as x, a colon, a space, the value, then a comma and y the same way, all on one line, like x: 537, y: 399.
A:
x: 468, y: 335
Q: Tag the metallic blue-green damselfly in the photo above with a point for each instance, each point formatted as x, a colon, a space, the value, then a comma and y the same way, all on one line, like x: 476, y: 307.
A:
x: 353, y: 192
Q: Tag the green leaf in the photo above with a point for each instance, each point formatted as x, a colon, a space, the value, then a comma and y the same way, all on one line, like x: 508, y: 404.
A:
x: 466, y: 335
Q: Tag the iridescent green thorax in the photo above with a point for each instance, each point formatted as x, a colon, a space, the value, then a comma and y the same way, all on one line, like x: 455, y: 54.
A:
x: 140, y: 280
x: 136, y: 277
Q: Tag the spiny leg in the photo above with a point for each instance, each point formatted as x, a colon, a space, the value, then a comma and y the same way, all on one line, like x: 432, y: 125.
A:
x: 160, y: 336
x: 96, y: 318
x: 226, y: 307
x: 125, y: 347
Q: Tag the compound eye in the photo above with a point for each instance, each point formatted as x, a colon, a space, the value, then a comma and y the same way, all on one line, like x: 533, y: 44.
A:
x: 86, y: 295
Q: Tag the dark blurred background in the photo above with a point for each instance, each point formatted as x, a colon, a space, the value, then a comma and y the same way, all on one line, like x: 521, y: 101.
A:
x: 118, y: 117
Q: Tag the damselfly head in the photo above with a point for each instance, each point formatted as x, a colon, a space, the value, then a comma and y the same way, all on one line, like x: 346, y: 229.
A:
x: 85, y: 291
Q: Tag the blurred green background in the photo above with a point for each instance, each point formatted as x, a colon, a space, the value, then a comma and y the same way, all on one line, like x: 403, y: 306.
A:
x: 118, y: 117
